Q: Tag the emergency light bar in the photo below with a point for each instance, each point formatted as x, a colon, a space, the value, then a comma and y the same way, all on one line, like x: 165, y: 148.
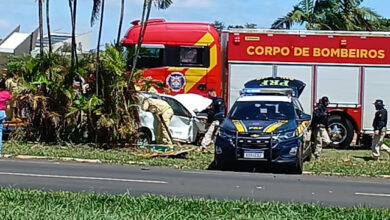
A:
x: 267, y: 91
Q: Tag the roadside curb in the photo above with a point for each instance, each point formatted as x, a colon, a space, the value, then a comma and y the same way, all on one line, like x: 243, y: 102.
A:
x: 67, y: 159
x: 27, y: 157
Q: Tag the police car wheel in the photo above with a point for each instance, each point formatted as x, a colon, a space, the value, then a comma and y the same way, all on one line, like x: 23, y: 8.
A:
x: 220, y: 164
x: 298, y: 168
x: 342, y: 131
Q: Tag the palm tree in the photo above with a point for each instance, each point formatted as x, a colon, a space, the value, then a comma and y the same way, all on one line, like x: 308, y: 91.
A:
x: 160, y: 4
x: 40, y: 17
x: 98, y: 5
x: 328, y: 15
x: 120, y: 22
x: 48, y: 25
x: 73, y: 13
x: 351, y: 16
x: 306, y: 11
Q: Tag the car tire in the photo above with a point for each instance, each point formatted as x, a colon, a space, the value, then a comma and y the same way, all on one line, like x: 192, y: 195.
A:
x: 298, y: 168
x: 143, y: 138
x: 345, y: 125
x: 220, y: 164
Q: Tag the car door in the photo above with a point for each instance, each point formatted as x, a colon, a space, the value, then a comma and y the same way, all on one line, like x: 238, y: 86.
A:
x: 182, y: 122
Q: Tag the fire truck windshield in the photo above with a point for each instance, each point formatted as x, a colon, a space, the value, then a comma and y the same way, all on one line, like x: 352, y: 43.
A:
x: 152, y: 56
x: 149, y: 57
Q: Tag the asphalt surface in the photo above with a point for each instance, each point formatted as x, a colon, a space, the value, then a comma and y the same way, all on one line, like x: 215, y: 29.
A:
x: 113, y: 179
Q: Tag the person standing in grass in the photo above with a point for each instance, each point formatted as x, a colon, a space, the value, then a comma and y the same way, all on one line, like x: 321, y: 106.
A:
x: 379, y: 124
x: 4, y: 97
x: 320, y: 126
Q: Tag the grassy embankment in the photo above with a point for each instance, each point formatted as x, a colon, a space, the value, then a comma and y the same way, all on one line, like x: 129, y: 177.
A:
x: 345, y: 162
x: 32, y: 204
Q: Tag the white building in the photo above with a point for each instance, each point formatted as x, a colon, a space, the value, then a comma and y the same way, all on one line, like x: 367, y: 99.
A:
x: 61, y: 43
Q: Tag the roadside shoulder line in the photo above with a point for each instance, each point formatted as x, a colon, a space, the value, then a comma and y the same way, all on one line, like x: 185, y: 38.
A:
x: 83, y: 178
x: 372, y: 194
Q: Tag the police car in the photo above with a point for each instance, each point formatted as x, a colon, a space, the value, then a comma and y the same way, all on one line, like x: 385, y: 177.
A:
x: 266, y: 126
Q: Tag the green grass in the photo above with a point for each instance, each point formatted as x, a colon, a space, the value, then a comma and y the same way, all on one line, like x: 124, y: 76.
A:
x: 345, y: 162
x: 33, y: 204
x: 194, y: 159
x: 350, y: 163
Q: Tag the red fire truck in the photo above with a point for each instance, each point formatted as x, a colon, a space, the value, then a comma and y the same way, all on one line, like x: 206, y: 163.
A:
x: 351, y: 68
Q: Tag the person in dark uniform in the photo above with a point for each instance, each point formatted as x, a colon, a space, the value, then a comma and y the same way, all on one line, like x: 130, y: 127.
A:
x: 379, y: 124
x: 320, y: 126
x: 217, y: 107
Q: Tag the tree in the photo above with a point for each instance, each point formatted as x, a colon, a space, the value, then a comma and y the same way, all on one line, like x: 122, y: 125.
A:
x: 120, y: 22
x: 328, y: 15
x: 161, y: 4
x: 48, y: 25
x: 382, y: 24
x: 250, y: 26
x: 73, y: 13
x: 235, y: 27
x: 98, y: 5
x: 40, y: 17
x: 219, y: 25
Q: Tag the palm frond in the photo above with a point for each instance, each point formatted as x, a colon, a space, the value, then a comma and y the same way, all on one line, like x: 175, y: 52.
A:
x: 294, y: 16
x: 163, y: 4
x: 95, y: 11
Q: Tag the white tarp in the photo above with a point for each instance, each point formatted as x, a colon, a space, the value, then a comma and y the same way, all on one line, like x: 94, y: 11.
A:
x: 193, y: 102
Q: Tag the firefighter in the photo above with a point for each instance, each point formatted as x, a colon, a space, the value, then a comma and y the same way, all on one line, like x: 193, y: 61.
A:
x: 320, y: 126
x: 379, y: 124
x: 217, y: 107
x: 164, y: 113
x: 13, y: 86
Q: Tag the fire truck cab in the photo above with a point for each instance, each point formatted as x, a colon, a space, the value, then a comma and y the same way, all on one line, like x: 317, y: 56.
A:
x: 183, y: 55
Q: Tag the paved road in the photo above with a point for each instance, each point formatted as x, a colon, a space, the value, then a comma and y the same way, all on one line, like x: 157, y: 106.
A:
x: 113, y: 179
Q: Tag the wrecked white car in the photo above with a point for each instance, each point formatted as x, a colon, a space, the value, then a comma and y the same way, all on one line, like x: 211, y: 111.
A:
x: 185, y: 126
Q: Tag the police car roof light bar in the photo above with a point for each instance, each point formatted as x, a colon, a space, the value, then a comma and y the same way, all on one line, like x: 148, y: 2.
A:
x: 268, y: 91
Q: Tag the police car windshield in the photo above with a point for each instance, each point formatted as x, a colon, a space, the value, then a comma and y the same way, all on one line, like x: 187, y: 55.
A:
x: 256, y: 110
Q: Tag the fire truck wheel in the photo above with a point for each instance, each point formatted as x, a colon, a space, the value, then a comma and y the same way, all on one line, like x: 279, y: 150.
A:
x: 341, y: 133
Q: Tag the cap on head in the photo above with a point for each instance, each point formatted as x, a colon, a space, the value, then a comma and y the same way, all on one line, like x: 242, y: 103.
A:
x: 379, y: 102
x: 324, y: 99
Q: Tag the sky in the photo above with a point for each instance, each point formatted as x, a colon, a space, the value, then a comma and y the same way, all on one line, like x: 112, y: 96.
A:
x: 260, y: 12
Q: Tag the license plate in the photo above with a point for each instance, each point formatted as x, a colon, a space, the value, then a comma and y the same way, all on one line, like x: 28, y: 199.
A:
x: 254, y: 155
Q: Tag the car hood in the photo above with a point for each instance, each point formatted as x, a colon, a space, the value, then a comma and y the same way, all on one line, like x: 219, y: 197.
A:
x: 256, y: 126
x: 193, y: 102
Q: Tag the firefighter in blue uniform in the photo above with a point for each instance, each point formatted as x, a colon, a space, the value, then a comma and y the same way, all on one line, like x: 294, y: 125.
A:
x: 379, y: 124
x: 217, y: 107
x: 320, y: 126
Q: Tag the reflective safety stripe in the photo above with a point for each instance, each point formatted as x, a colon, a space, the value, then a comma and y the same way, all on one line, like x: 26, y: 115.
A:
x: 272, y: 127
x: 239, y: 126
x: 301, y: 128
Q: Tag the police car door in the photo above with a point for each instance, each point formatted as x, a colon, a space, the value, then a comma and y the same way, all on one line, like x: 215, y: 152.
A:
x: 182, y: 122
